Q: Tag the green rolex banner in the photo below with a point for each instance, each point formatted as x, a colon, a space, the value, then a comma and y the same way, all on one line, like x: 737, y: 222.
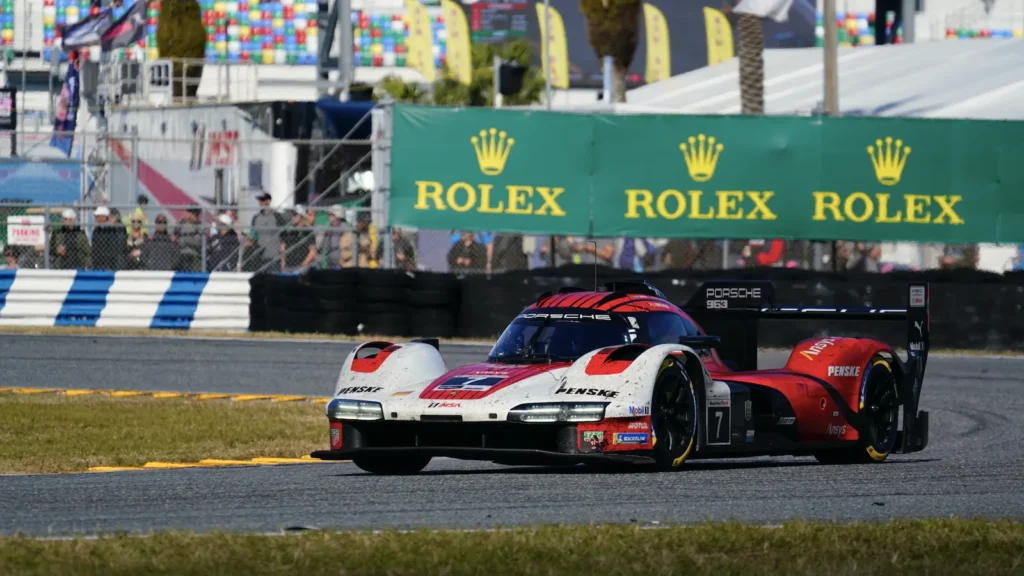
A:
x: 483, y: 169
x: 665, y: 176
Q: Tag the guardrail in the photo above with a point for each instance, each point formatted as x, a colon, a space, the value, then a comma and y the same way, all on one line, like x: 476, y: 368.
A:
x: 171, y: 300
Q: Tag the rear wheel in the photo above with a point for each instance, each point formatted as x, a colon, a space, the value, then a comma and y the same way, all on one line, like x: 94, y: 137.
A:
x: 387, y: 465
x: 879, y: 410
x: 673, y: 416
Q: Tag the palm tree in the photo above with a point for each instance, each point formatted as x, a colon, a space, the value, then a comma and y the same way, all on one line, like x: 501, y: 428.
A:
x: 613, y: 27
x: 751, y: 54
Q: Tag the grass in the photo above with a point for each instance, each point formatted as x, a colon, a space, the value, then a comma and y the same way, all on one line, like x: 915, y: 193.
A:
x: 902, y: 547
x: 50, y: 433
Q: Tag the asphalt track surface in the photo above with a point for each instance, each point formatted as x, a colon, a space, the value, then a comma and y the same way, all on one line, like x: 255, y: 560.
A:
x: 973, y: 466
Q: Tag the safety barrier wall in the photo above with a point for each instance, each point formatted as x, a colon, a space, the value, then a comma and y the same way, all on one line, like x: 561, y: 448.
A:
x: 969, y: 309
x: 171, y: 300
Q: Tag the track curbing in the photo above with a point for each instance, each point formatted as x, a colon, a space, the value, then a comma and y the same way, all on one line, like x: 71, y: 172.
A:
x: 74, y: 392
x: 213, y: 463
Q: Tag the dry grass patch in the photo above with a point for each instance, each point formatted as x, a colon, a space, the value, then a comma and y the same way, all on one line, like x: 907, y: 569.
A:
x: 51, y: 433
x: 906, y: 547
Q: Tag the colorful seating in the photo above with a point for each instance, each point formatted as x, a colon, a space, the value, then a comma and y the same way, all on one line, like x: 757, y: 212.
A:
x: 856, y: 29
x: 381, y: 39
x: 60, y: 13
x: 275, y: 32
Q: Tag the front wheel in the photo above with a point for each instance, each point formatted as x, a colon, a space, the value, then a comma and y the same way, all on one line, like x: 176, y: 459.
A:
x: 673, y: 416
x: 391, y: 466
x: 879, y: 410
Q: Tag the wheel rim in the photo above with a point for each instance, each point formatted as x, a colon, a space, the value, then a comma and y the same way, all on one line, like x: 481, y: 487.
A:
x: 881, y: 410
x: 673, y: 415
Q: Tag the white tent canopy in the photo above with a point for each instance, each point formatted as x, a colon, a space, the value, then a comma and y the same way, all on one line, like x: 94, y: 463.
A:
x: 982, y: 78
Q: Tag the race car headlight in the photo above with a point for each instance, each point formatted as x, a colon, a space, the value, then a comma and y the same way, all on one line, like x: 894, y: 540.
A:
x: 584, y: 412
x: 340, y: 409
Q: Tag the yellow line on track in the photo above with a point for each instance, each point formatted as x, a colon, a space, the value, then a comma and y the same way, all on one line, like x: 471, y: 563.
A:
x: 213, y: 463
x: 71, y: 393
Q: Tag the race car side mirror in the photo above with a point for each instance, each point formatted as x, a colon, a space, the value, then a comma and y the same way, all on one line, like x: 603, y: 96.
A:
x: 702, y: 341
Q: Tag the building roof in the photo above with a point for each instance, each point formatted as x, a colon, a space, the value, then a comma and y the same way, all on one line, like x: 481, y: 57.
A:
x: 948, y: 79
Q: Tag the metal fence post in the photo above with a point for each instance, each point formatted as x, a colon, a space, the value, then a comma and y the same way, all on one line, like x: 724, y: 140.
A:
x: 135, y: 163
x: 46, y: 237
x: 205, y: 231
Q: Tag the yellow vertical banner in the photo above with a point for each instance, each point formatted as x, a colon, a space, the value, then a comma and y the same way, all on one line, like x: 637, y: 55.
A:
x: 719, y: 33
x: 460, y: 55
x: 558, y: 59
x: 421, y: 43
x: 659, y: 57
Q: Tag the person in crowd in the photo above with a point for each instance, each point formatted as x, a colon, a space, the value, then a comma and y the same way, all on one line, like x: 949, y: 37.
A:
x: 508, y: 253
x: 189, y: 236
x: 467, y: 255
x: 223, y: 256
x: 136, y: 243
x: 591, y: 250
x: 636, y: 254
x: 865, y: 258
x: 253, y: 259
x: 563, y: 253
x: 686, y: 254
x: 69, y: 246
x: 330, y: 244
x: 959, y: 256
x: 142, y: 202
x: 405, y: 253
x: 754, y: 255
x: 298, y: 243
x: 360, y: 248
x: 109, y: 241
x: 10, y: 261
x: 267, y: 224
x: 160, y: 252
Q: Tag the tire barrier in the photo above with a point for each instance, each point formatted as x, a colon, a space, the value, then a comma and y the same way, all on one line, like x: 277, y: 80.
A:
x: 970, y: 309
x: 356, y: 301
x: 170, y: 300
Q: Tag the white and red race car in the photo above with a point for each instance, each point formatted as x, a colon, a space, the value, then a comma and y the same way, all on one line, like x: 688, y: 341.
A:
x: 624, y: 376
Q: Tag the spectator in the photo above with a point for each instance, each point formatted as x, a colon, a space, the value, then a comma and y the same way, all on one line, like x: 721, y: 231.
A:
x: 563, y: 251
x: 467, y: 255
x: 359, y: 247
x: 508, y: 253
x: 136, y: 243
x: 267, y: 224
x: 754, y: 257
x: 634, y: 254
x: 161, y: 252
x: 298, y: 243
x: 109, y: 241
x: 140, y: 211
x: 587, y: 250
x: 253, y: 259
x: 680, y: 253
x: 865, y: 258
x: 224, y: 255
x: 10, y: 258
x: 959, y: 256
x: 189, y: 236
x: 330, y: 245
x: 69, y: 246
x: 405, y: 254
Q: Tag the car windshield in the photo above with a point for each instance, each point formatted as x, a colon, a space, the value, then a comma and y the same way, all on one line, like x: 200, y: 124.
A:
x: 559, y: 337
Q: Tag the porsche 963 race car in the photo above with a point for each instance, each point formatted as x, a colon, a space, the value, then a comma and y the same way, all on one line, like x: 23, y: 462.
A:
x: 622, y: 375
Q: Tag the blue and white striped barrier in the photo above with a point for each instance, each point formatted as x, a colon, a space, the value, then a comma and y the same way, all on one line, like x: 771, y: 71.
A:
x: 174, y: 300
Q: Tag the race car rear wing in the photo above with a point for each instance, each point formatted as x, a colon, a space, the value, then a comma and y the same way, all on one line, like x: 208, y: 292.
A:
x: 732, y: 310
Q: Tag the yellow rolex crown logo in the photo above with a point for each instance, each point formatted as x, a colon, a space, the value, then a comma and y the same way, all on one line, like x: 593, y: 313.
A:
x: 701, y: 156
x: 888, y: 160
x: 492, y: 148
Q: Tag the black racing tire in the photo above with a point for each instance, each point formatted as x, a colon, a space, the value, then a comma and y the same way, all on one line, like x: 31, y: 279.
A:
x: 380, y: 293
x: 445, y: 299
x: 390, y: 466
x: 381, y: 277
x: 880, y: 410
x: 432, y: 281
x: 674, y: 422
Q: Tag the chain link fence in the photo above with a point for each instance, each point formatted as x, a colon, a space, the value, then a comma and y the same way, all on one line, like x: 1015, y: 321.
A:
x: 263, y: 239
